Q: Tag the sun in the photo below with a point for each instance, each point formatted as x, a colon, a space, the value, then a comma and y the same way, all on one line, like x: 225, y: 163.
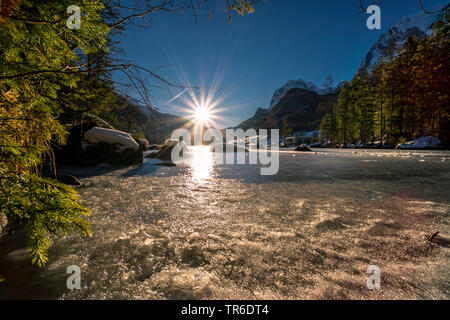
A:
x: 202, y: 114
x: 202, y: 111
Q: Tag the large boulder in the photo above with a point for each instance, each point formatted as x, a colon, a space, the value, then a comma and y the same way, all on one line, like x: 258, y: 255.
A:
x: 123, y: 140
x: 154, y: 147
x: 95, y: 145
x: 303, y: 148
x: 143, y: 143
x: 151, y: 155
x: 165, y: 152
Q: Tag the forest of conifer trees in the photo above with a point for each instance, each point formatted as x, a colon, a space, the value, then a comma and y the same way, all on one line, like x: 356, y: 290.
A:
x: 403, y: 97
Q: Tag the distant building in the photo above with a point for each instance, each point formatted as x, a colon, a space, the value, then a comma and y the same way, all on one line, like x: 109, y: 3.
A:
x: 289, y: 141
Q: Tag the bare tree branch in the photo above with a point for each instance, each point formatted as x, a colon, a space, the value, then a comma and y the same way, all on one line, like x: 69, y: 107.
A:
x: 424, y: 10
x: 163, y: 6
x: 364, y: 9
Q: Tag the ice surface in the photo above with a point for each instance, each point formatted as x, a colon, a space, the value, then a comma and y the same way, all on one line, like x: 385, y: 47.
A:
x: 207, y: 231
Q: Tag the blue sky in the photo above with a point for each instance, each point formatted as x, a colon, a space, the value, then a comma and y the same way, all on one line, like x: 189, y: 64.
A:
x: 249, y: 58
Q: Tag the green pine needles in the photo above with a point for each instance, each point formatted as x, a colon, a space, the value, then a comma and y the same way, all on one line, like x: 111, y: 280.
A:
x: 38, y: 56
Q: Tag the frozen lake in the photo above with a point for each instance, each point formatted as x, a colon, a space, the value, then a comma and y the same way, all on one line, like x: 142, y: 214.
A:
x: 206, y: 231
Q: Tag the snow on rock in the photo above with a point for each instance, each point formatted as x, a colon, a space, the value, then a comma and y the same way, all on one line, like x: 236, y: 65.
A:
x: 421, y: 143
x: 98, y: 135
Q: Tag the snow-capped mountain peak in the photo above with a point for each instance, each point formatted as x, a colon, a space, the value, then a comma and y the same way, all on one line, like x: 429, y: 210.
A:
x: 419, y: 25
x: 291, y: 84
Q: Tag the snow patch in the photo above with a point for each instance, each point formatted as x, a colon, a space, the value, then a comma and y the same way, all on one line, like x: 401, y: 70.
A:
x: 98, y: 135
x: 421, y: 143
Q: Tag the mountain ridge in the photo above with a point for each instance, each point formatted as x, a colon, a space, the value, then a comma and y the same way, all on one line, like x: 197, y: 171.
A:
x: 291, y: 84
x: 303, y: 109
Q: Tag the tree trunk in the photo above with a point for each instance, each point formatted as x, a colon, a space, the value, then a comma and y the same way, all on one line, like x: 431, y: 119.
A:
x: 381, y: 117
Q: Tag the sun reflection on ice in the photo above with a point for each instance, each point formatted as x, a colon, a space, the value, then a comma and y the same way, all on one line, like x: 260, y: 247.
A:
x: 201, y: 163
